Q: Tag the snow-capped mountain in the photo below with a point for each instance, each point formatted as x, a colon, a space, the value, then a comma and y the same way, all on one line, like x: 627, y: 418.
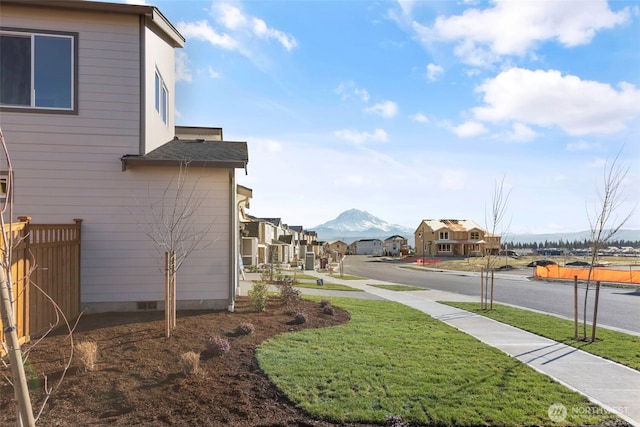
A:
x: 355, y: 224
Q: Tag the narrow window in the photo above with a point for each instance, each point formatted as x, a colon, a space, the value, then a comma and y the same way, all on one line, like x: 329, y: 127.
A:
x: 157, y: 87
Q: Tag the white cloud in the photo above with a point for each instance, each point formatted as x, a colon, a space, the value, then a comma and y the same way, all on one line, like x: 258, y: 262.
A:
x: 469, y: 128
x: 386, y: 109
x: 236, y: 21
x: 521, y: 133
x: 349, y: 88
x: 261, y: 30
x: 230, y: 16
x: 434, y: 71
x: 547, y: 98
x: 350, y: 180
x: 419, y: 117
x: 509, y: 27
x: 183, y: 69
x: 582, y: 146
x: 361, y: 137
x: 597, y: 162
x: 213, y: 73
x: 201, y: 30
x: 452, y: 179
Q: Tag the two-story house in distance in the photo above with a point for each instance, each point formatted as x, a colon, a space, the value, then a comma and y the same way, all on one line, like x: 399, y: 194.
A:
x: 87, y: 107
x: 454, y: 237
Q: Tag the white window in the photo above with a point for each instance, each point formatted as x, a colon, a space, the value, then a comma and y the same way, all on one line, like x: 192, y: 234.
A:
x: 37, y: 70
x: 444, y: 247
x: 475, y: 235
x: 444, y: 235
x: 161, y: 98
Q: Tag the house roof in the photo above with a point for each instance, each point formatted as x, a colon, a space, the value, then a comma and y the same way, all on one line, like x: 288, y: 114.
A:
x: 452, y: 224
x: 198, y: 152
x: 154, y: 16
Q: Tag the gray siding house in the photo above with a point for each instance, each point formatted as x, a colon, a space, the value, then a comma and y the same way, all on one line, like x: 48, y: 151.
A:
x: 93, y: 136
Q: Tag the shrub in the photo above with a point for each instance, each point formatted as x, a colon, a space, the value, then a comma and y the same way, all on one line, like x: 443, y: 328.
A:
x: 88, y: 354
x: 190, y: 363
x: 217, y: 346
x: 395, y: 421
x: 325, y: 302
x: 259, y: 294
x: 299, y: 318
x: 328, y: 309
x: 245, y: 328
x: 289, y: 295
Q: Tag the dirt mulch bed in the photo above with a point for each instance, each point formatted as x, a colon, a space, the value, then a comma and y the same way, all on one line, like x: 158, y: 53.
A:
x: 138, y: 379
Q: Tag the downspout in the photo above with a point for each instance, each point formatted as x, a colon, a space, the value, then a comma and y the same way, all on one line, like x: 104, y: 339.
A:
x: 233, y: 240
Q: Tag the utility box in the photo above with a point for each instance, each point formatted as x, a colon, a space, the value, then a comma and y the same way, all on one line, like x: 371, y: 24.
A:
x: 309, y: 261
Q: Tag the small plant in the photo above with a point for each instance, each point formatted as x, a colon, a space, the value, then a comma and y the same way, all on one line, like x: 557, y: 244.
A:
x: 259, y: 294
x: 328, y: 309
x: 217, y: 346
x: 324, y: 303
x: 245, y: 328
x: 395, y: 421
x: 289, y: 295
x: 88, y: 354
x: 190, y: 363
x: 299, y: 318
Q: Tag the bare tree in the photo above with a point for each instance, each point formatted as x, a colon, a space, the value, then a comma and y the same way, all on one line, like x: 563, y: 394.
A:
x: 493, y: 224
x: 604, y: 224
x: 170, y: 222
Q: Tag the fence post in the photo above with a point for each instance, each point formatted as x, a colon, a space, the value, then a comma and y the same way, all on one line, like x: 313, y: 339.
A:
x: 575, y: 307
x: 26, y: 275
x: 595, y: 312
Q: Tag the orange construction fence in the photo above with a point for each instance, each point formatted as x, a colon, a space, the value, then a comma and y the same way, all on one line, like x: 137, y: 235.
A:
x: 598, y: 274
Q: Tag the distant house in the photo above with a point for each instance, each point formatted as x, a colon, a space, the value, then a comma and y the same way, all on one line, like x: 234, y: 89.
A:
x: 454, y: 237
x: 335, y: 249
x: 87, y: 100
x: 366, y: 247
x: 395, y: 246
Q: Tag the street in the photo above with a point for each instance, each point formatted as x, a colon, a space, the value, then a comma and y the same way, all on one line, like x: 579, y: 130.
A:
x: 618, y: 308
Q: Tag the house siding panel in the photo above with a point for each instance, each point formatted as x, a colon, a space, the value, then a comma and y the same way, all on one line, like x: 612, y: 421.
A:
x: 68, y: 166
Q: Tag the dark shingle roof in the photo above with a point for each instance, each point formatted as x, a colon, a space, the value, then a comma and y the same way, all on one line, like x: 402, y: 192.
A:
x: 215, y: 154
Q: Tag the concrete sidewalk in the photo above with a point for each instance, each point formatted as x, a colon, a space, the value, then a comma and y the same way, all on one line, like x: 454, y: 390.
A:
x: 613, y: 386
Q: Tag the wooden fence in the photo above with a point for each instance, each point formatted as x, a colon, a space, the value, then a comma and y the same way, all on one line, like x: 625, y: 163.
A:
x: 45, y: 264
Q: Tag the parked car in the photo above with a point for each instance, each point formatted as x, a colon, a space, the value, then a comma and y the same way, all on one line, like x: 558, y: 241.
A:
x: 541, y: 263
x: 578, y: 264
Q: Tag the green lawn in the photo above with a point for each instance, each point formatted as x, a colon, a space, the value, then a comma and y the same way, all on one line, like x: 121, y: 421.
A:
x: 393, y: 360
x: 327, y: 286
x: 398, y: 288
x: 612, y: 345
x: 346, y: 277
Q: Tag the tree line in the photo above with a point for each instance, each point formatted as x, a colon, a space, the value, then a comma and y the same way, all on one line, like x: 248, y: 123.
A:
x: 575, y: 244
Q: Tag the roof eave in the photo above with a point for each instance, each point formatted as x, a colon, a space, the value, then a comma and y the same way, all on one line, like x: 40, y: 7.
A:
x: 128, y: 161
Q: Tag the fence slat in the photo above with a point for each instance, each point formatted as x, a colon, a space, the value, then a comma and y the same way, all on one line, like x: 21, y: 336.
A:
x: 46, y: 255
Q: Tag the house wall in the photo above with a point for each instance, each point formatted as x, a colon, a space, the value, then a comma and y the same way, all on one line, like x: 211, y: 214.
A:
x: 68, y: 166
x: 367, y: 247
x: 158, y: 132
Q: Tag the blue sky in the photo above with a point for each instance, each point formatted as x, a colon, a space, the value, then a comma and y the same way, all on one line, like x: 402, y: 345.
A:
x: 415, y: 109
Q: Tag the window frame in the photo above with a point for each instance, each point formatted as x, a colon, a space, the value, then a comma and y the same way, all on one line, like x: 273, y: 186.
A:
x: 161, y: 97
x: 443, y: 235
x: 31, y: 34
x: 474, y: 235
x: 444, y: 248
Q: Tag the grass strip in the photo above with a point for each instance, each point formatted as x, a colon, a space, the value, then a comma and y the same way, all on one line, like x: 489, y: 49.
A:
x: 616, y: 346
x: 346, y: 277
x: 327, y: 286
x: 391, y: 359
x: 397, y: 288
